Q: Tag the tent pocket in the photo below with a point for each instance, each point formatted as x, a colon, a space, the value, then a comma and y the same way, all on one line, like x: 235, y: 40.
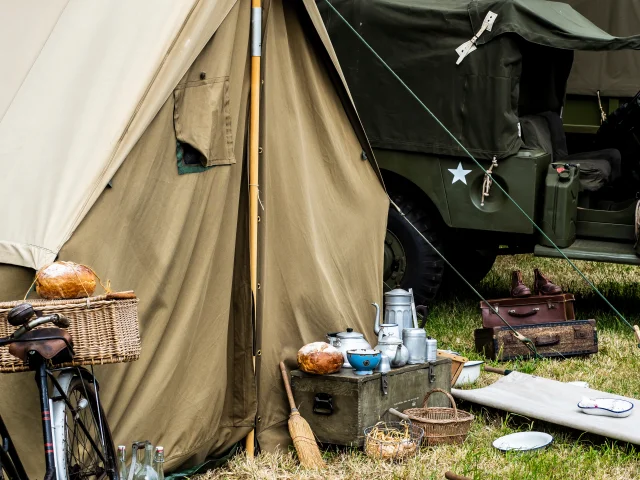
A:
x: 202, y: 119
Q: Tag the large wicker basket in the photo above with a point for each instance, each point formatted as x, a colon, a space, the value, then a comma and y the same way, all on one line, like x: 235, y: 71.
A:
x: 104, y: 329
x: 441, y: 425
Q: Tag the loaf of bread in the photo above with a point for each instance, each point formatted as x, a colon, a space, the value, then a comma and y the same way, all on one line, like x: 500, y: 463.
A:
x: 320, y: 358
x: 65, y: 280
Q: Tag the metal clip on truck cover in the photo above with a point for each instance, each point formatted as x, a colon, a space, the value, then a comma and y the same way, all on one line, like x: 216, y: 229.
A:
x: 467, y: 47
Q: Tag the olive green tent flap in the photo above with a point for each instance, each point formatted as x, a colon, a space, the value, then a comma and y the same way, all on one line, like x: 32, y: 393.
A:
x: 480, y: 99
x: 552, y: 24
x: 324, y: 216
x: 614, y: 73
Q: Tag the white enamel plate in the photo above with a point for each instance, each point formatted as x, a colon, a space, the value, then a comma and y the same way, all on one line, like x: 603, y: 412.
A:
x: 523, y: 441
x: 609, y: 407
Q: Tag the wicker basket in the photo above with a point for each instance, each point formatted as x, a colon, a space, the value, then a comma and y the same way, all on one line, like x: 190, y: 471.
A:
x: 441, y: 425
x: 393, y: 441
x: 104, y: 329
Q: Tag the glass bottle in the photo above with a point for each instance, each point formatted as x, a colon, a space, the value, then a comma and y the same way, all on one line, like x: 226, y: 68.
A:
x: 122, y: 462
x: 146, y: 471
x: 158, y: 462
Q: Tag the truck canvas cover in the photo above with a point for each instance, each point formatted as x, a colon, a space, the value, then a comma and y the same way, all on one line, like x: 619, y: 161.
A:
x: 520, y: 66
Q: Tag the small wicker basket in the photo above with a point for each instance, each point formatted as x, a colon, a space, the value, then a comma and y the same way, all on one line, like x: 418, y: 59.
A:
x: 104, y: 329
x: 441, y: 425
x: 393, y: 441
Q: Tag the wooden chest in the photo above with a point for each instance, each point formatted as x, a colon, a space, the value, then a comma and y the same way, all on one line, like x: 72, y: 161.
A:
x: 558, y: 339
x: 340, y: 406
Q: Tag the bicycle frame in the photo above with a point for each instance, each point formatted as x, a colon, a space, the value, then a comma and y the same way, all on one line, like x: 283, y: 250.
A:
x: 9, y: 458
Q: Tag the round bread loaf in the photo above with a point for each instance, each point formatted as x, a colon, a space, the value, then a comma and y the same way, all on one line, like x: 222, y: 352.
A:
x: 65, y: 280
x: 320, y: 358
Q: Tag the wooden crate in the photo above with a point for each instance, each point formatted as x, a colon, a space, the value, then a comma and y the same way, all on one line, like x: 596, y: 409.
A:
x: 340, y: 406
x: 457, y: 362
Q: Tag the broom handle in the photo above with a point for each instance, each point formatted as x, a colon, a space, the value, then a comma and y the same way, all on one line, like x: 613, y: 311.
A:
x: 285, y: 378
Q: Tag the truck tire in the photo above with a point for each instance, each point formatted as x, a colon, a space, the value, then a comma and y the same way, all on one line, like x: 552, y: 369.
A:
x: 409, y: 262
x: 474, y: 265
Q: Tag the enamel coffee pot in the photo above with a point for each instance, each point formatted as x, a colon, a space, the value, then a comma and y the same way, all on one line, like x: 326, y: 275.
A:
x: 398, y: 308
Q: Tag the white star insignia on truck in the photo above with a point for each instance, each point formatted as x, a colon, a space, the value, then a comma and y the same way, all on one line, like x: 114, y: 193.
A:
x: 459, y: 174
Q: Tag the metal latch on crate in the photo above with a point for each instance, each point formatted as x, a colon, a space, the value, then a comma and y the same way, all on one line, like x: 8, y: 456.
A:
x: 432, y: 373
x: 384, y: 384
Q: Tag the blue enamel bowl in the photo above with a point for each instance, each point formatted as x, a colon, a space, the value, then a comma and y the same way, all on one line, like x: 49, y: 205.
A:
x: 363, y: 360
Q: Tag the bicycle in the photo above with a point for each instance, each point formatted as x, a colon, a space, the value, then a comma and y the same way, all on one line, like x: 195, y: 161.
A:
x: 77, y: 439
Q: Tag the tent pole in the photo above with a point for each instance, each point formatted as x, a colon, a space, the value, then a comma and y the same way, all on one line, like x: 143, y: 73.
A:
x: 254, y: 129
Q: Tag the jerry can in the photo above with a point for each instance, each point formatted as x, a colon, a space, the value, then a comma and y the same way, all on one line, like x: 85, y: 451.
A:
x: 560, y: 209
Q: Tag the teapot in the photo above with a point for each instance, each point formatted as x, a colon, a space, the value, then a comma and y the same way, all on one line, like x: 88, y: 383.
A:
x: 398, y: 354
x: 348, y: 340
x: 385, y: 331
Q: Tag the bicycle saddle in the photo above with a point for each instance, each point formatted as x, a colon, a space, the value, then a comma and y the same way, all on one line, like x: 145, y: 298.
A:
x: 40, y: 340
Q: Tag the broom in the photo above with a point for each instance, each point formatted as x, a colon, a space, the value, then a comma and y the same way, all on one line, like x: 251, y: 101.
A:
x: 303, y: 439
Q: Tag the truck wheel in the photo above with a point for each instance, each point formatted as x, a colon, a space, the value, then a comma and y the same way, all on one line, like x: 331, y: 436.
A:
x: 474, y: 265
x: 409, y: 262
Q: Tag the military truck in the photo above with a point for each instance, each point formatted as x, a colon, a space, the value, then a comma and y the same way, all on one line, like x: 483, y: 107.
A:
x: 600, y: 82
x: 495, y: 74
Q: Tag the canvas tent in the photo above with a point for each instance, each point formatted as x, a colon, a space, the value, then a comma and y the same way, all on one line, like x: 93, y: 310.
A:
x: 520, y: 67
x: 105, y: 91
x: 614, y: 73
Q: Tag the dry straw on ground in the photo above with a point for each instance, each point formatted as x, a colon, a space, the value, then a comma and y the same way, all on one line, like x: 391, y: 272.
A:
x: 572, y: 456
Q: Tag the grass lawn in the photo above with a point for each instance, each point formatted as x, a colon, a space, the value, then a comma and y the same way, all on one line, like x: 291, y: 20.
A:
x: 616, y: 368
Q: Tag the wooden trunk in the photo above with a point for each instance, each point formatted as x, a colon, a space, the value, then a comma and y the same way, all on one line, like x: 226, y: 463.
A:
x: 340, y: 406
x: 561, y: 339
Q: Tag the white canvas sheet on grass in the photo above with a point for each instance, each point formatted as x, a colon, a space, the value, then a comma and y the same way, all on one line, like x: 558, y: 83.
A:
x: 554, y: 402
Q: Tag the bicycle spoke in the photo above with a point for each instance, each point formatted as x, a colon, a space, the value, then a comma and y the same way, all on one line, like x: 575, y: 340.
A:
x: 85, y: 447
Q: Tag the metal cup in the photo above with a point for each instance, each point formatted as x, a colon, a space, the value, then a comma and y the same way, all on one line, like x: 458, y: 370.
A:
x: 414, y: 339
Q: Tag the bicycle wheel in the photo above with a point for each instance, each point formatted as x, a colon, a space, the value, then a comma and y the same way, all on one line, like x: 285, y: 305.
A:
x: 82, y: 438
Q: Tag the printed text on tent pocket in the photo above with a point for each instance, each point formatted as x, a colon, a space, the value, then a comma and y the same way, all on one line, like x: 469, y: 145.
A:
x: 202, y: 119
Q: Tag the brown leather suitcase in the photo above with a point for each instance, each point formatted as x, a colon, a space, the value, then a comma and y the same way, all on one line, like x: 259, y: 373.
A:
x: 530, y: 310
x: 557, y: 339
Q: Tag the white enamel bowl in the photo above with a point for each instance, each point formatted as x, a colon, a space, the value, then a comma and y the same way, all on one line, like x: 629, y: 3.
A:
x: 470, y: 373
x: 523, y: 441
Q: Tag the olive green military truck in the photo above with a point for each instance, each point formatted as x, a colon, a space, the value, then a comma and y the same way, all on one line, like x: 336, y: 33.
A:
x: 495, y: 73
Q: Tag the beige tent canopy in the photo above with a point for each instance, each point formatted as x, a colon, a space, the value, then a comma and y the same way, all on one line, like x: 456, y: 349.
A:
x: 152, y: 95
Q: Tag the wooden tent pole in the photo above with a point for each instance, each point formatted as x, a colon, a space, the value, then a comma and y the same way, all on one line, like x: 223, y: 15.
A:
x: 254, y: 131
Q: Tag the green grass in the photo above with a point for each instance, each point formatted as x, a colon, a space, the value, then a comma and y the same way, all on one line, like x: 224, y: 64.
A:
x: 615, y: 369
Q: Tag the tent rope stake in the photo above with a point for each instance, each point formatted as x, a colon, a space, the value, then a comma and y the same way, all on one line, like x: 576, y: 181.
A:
x: 254, y: 151
x: 463, y: 148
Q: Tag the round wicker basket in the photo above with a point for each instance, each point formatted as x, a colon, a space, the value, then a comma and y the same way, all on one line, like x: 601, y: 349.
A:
x: 393, y: 441
x: 441, y: 425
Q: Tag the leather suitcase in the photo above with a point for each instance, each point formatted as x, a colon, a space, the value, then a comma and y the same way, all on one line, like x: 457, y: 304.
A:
x: 530, y: 310
x: 557, y: 339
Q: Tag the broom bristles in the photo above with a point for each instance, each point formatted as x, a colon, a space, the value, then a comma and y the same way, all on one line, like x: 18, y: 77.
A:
x: 305, y: 442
